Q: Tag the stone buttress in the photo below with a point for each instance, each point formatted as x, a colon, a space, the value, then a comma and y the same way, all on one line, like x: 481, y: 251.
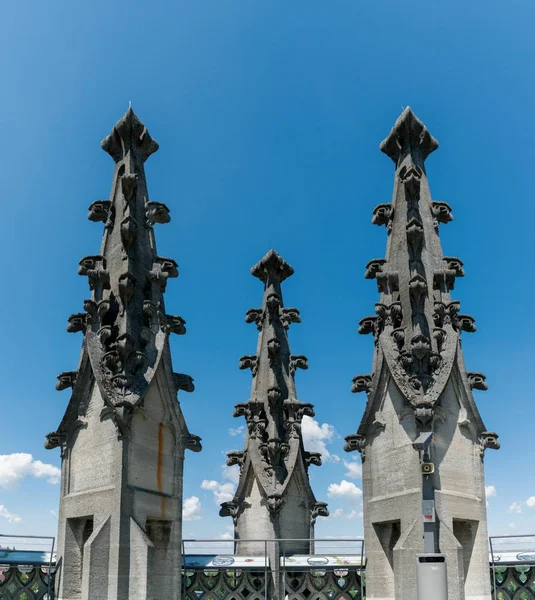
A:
x: 123, y: 435
x: 274, y: 499
x: 419, y: 384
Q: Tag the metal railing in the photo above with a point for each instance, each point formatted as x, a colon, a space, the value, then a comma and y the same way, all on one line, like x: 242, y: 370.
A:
x: 24, y: 565
x: 334, y: 564
x: 506, y: 551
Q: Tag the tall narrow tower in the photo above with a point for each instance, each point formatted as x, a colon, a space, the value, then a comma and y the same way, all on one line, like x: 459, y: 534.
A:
x: 419, y: 384
x: 274, y: 499
x: 123, y: 435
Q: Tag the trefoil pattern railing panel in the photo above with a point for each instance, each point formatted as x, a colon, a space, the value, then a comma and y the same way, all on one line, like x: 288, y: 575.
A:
x: 26, y: 583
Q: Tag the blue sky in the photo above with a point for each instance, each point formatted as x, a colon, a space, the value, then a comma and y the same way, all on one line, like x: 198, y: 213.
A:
x: 269, y: 116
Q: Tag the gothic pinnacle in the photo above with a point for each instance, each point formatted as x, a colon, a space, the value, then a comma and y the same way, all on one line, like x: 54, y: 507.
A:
x: 274, y: 457
x: 125, y: 324
x: 417, y: 324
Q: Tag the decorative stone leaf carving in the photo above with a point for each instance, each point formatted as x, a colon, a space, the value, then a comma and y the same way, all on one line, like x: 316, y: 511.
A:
x: 288, y: 316
x: 454, y: 264
x: 184, y: 382
x: 99, y: 211
x: 168, y: 266
x: 319, y: 510
x: 127, y: 287
x: 356, y: 442
x: 129, y: 186
x: 298, y: 361
x: 274, y: 504
x: 441, y: 213
x: 387, y: 282
x: 313, y: 458
x: 128, y: 233
x: 235, y: 457
x: 248, y: 362
x: 467, y: 323
x: 373, y: 267
x: 230, y: 509
x: 157, y: 212
x: 76, y: 323
x: 477, y: 381
x: 254, y: 315
x: 172, y: 324
x: 67, y: 379
x: 273, y: 347
x: 192, y: 442
x: 488, y: 439
x: 94, y: 267
x: 383, y: 215
x: 361, y: 383
x: 415, y: 235
x: 55, y: 440
x: 367, y: 325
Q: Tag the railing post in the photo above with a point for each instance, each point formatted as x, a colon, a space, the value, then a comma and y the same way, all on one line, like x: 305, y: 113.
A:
x: 49, y: 573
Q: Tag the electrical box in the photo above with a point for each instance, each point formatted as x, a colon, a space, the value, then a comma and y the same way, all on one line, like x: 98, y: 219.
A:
x: 432, y: 580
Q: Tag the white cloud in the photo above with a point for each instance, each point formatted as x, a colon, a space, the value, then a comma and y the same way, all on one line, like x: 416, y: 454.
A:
x: 316, y: 436
x: 231, y: 473
x: 344, y: 489
x: 53, y: 512
x: 512, y: 525
x: 339, y: 513
x: 236, y: 431
x: 16, y: 467
x: 531, y: 502
x: 11, y: 518
x: 353, y: 469
x: 191, y: 509
x: 223, y: 492
x: 490, y: 491
x: 516, y: 507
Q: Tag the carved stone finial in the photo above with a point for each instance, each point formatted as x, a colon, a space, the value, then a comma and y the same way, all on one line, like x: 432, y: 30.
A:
x: 272, y: 266
x: 129, y: 135
x: 409, y: 135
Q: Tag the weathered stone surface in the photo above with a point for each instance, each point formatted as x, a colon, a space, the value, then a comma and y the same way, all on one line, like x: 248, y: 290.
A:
x: 123, y: 435
x: 419, y: 384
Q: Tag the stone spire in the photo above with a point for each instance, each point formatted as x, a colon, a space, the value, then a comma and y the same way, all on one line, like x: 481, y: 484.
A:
x: 419, y: 383
x: 123, y: 434
x: 274, y: 498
